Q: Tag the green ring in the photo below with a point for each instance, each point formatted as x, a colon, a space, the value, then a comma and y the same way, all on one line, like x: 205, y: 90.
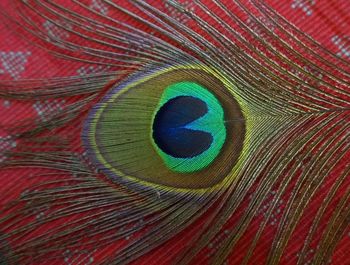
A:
x: 213, y: 122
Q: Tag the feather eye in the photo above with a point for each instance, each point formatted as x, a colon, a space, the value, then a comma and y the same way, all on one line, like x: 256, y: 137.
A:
x: 195, y: 124
x: 173, y: 127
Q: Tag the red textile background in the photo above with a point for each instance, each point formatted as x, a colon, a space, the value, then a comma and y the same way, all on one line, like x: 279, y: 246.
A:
x: 327, y: 21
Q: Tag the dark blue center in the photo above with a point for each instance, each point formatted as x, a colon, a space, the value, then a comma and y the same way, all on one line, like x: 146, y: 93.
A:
x: 170, y: 132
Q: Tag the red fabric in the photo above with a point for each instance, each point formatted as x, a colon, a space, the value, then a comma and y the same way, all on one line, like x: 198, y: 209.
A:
x: 326, y: 21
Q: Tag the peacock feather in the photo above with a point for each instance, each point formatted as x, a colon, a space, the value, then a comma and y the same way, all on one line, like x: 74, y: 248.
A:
x: 202, y: 115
